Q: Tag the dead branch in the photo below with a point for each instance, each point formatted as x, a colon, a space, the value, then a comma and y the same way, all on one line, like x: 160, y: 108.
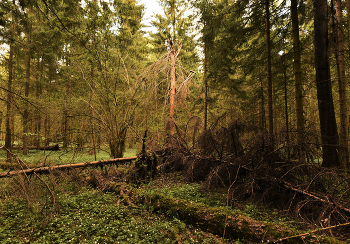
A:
x: 48, y: 188
x: 313, y: 196
x: 311, y: 232
x: 45, y: 170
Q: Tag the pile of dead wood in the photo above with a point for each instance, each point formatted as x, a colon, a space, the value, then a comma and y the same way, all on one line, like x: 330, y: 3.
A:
x: 253, y: 167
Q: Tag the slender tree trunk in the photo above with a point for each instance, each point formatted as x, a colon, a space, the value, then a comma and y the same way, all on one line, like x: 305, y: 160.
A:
x: 262, y: 103
x: 348, y: 9
x: 26, y: 94
x: 47, y: 126
x: 8, y: 137
x: 269, y: 73
x: 9, y: 118
x: 205, y: 87
x: 329, y: 134
x: 92, y: 150
x: 172, y: 90
x: 38, y: 94
x: 171, y: 120
x: 343, y: 138
x: 65, y: 128
x: 298, y: 81
x: 66, y: 111
x: 286, y: 103
x: 1, y: 117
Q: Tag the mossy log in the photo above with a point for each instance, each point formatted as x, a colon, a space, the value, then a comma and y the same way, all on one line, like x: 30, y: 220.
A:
x: 218, y: 220
x: 201, y: 215
x: 45, y: 170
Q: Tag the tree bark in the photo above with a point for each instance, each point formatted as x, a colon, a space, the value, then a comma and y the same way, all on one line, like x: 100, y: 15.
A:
x: 262, y: 117
x: 172, y: 90
x: 348, y: 9
x: 298, y: 80
x: 65, y: 122
x: 26, y: 94
x: 343, y: 138
x: 8, y: 137
x: 171, y: 121
x: 286, y: 103
x: 65, y: 128
x: 1, y: 118
x: 269, y: 73
x: 92, y: 150
x: 205, y: 81
x: 47, y: 125
x: 9, y: 118
x: 329, y: 134
x: 46, y: 170
x: 38, y: 95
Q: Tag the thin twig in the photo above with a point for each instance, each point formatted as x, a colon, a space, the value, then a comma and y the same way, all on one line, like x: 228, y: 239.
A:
x: 228, y: 194
x: 311, y: 232
x: 47, y: 186
x: 313, y: 196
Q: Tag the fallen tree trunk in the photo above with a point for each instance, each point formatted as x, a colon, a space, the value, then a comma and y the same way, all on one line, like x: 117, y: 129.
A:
x: 45, y: 170
x: 44, y: 148
x: 216, y: 221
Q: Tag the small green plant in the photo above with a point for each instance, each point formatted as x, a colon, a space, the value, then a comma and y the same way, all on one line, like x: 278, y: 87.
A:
x: 92, y: 217
x: 193, y: 192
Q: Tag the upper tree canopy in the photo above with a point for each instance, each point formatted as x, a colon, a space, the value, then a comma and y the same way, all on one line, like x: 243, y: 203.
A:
x: 176, y: 24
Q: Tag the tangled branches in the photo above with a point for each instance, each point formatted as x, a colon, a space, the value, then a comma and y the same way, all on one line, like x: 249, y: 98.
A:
x: 254, y: 167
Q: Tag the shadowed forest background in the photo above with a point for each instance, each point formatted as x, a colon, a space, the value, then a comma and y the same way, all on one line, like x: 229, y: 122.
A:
x: 87, y: 75
x: 248, y: 96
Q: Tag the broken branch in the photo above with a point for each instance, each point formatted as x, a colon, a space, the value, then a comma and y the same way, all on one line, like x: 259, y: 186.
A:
x: 311, y: 232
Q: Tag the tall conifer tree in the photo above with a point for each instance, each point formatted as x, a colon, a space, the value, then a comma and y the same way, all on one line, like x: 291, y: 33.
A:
x: 329, y: 134
x: 340, y: 53
x: 298, y: 80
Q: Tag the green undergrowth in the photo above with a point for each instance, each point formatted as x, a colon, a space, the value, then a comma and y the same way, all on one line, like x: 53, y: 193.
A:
x: 93, y: 217
x: 166, y: 210
x: 247, y: 224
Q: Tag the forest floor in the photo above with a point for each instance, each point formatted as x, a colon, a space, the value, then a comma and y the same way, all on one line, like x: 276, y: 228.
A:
x: 96, y: 205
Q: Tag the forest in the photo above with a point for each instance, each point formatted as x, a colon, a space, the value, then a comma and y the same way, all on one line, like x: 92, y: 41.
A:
x: 227, y: 123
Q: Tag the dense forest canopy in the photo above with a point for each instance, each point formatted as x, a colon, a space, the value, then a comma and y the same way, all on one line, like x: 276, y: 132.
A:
x: 87, y: 74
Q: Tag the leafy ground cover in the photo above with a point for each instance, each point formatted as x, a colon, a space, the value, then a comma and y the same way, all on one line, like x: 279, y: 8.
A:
x: 93, y: 217
x: 245, y: 223
x: 66, y: 209
x: 103, y: 206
